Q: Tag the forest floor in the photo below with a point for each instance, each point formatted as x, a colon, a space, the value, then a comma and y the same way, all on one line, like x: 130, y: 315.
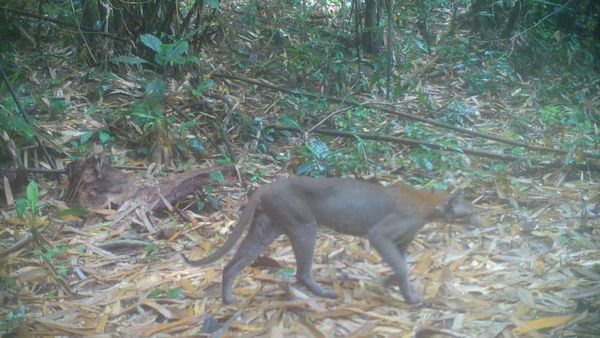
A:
x: 531, y: 268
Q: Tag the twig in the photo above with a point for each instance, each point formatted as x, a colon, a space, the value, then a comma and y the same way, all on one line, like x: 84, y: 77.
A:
x: 86, y: 30
x: 188, y: 17
x: 194, y: 126
x: 228, y: 323
x: 34, y: 171
x: 25, y: 117
x: 493, y: 137
x: 17, y: 246
x: 87, y: 46
x: 336, y: 111
x: 37, y: 240
x: 412, y: 142
x: 222, y: 126
x: 120, y: 244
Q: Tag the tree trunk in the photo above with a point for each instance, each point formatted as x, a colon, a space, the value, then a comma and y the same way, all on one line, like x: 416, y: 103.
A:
x: 477, y: 7
x: 371, y: 36
x: 90, y: 14
x: 513, y: 19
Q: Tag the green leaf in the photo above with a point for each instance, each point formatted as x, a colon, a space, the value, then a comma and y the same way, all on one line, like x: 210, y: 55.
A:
x: 214, y: 202
x: 203, y: 86
x: 318, y: 148
x: 305, y: 168
x: 155, y: 90
x: 214, y: 4
x: 156, y: 293
x: 217, y: 176
x: 287, y: 272
x: 175, y: 293
x: 288, y: 121
x: 104, y: 137
x: 427, y: 163
x: 151, y: 42
x: 79, y: 212
x: 33, y: 195
x: 179, y: 48
x: 421, y: 45
x: 21, y: 207
x: 439, y: 186
x: 85, y: 137
x: 128, y: 60
x: 197, y: 145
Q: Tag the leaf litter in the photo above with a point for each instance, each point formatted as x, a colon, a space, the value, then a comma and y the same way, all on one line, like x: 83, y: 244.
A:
x: 506, y: 277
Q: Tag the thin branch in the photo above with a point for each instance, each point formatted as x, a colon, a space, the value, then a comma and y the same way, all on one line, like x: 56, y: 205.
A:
x: 85, y: 30
x: 87, y: 46
x: 17, y: 246
x: 25, y: 116
x: 34, y: 171
x: 338, y: 110
x: 391, y: 111
x: 412, y: 142
x: 390, y: 44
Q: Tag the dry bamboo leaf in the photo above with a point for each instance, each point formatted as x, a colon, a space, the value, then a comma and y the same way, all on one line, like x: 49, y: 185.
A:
x: 542, y: 323
x: 31, y: 274
x: 115, y: 308
x: 167, y: 326
x: 64, y: 326
x: 101, y: 325
x: 8, y: 192
x: 365, y: 330
x: 186, y: 285
x: 164, y: 311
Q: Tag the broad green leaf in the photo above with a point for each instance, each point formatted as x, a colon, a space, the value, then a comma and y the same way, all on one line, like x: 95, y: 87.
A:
x: 151, y: 42
x: 104, y: 136
x: 155, y: 90
x: 179, y: 48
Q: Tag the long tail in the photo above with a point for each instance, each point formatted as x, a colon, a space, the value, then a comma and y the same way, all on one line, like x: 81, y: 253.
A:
x: 246, y: 218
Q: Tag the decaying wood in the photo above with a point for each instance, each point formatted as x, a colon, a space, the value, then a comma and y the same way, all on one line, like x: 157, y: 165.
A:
x: 17, y: 246
x: 95, y: 184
